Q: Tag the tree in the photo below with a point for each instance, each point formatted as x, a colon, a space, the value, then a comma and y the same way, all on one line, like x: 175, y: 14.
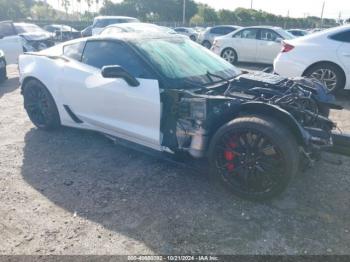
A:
x: 227, y: 17
x: 162, y: 10
x: 14, y: 9
x: 209, y: 14
x: 197, y: 20
x: 66, y: 5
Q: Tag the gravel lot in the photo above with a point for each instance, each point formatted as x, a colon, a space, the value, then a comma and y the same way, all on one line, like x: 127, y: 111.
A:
x: 74, y: 192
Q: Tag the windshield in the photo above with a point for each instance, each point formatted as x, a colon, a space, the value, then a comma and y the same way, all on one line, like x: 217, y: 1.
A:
x: 286, y: 35
x: 28, y: 28
x: 180, y: 59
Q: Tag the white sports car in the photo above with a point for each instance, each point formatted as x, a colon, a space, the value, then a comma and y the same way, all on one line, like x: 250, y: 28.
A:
x: 167, y: 93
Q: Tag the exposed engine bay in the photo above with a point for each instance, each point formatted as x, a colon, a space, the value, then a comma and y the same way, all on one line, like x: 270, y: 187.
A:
x: 193, y: 115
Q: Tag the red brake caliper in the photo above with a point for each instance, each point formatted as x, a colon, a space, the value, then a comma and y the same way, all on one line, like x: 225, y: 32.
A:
x: 230, y: 156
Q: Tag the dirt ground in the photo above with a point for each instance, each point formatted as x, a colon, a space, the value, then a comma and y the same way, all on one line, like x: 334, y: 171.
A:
x: 74, y: 192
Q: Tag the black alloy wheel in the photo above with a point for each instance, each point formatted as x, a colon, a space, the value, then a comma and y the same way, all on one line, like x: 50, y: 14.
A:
x: 40, y: 105
x: 254, y: 157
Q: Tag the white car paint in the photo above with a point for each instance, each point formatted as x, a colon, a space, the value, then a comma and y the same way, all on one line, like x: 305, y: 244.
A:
x: 12, y: 47
x: 254, y: 46
x: 312, y: 49
x: 100, y: 22
x: 18, y: 36
x: 105, y: 105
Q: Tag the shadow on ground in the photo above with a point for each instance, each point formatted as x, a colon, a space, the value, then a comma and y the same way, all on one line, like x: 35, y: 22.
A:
x: 8, y: 86
x: 173, y: 211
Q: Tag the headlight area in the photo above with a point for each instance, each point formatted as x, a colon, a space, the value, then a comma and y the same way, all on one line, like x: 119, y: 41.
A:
x: 27, y: 45
x: 35, y: 45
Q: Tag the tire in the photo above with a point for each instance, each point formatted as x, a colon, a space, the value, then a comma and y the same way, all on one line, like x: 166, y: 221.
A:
x: 40, y: 106
x: 242, y: 168
x: 230, y: 55
x: 324, y: 110
x: 193, y: 38
x: 206, y: 44
x: 324, y: 72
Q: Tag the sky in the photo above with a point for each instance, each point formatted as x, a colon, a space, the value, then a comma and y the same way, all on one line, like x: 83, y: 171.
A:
x: 296, y: 8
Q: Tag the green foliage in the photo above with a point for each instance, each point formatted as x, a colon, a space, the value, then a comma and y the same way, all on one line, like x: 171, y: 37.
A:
x: 151, y: 10
x: 14, y: 9
x: 156, y: 11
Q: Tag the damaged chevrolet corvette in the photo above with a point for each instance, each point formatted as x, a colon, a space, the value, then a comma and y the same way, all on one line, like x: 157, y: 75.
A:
x: 165, y: 92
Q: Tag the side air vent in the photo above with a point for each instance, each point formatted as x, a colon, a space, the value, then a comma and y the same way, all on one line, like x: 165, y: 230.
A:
x: 72, y: 115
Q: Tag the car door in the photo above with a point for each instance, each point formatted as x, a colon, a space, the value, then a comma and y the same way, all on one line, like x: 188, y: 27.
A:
x: 245, y: 44
x: 110, y: 105
x: 343, y: 51
x: 10, y: 43
x: 269, y: 46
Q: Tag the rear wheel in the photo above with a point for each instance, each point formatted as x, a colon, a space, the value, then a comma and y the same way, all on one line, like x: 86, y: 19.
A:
x: 229, y: 55
x: 206, y: 44
x: 254, y: 157
x: 40, y: 106
x: 329, y: 74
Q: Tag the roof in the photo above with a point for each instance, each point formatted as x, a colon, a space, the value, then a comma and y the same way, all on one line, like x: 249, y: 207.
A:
x: 235, y: 26
x: 113, y: 17
x: 264, y: 27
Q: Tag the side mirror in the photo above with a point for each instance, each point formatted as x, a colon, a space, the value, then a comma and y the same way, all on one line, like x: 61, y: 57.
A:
x: 279, y: 40
x: 116, y: 71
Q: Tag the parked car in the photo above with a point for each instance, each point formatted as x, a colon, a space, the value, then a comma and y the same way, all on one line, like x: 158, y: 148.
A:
x: 298, y: 32
x: 251, y: 44
x: 101, y: 22
x: 135, y: 28
x: 170, y: 94
x: 3, y: 72
x: 62, y: 32
x: 86, y: 31
x: 16, y: 38
x: 191, y: 33
x: 206, y: 38
x: 324, y: 56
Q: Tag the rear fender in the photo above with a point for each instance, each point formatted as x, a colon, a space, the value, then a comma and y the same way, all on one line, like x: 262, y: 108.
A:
x: 283, y: 116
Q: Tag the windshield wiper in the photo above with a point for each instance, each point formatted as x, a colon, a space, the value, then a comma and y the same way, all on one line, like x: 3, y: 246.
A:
x: 209, y: 74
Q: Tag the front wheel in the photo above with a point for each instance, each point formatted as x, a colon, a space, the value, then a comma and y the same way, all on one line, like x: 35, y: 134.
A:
x: 206, y: 44
x: 229, y: 55
x: 254, y: 157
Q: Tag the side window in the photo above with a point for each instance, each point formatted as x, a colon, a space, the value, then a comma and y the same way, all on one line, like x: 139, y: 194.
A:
x: 6, y: 29
x: 102, y: 53
x: 342, y: 37
x: 268, y: 35
x: 216, y: 30
x: 227, y: 30
x: 74, y: 51
x: 179, y: 30
x: 247, y: 34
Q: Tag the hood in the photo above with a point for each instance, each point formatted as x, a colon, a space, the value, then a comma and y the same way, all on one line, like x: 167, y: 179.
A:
x: 36, y: 36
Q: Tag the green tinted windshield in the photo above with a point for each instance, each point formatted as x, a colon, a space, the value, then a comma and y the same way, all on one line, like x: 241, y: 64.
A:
x: 179, y: 58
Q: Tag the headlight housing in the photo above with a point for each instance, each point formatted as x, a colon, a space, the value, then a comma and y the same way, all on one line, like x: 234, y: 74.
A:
x: 27, y: 47
x: 198, y: 108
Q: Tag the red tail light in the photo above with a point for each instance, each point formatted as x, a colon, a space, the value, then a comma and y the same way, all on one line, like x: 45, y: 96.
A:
x: 287, y: 47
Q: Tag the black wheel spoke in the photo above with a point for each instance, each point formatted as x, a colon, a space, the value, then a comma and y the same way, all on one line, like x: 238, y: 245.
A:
x: 249, y: 160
